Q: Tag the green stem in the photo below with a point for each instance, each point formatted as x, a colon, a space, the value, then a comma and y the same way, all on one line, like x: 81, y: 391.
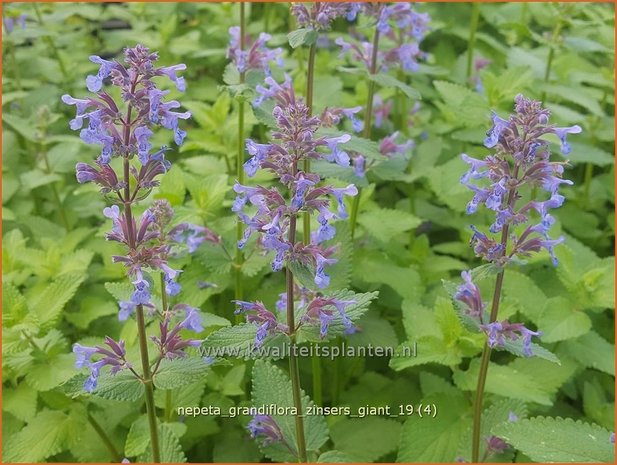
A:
x: 551, y: 53
x: 239, y: 260
x: 51, y: 44
x: 115, y: 455
x: 149, y: 387
x: 317, y: 384
x: 368, y: 116
x: 139, y: 311
x: 473, y: 26
x: 168, y: 405
x: 486, y: 352
x: 294, y: 372
x: 306, y: 229
x: 14, y: 66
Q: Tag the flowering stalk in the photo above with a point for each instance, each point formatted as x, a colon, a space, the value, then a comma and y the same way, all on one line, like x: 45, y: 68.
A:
x: 521, y: 159
x: 276, y: 223
x: 405, y: 52
x: 246, y: 55
x: 368, y: 114
x: 147, y: 241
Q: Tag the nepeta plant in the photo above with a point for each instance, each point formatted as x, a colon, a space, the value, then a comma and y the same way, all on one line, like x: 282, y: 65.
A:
x: 519, y: 167
x: 246, y: 55
x: 402, y: 29
x: 127, y: 170
x: 274, y: 219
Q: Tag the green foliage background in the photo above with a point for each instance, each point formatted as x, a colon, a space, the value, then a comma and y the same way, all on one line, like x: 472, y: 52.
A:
x: 59, y: 285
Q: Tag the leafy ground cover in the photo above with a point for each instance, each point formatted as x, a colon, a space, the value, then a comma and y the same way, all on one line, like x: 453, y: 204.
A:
x: 390, y: 133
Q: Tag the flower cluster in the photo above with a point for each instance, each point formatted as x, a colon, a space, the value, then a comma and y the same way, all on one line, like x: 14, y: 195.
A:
x: 273, y: 216
x: 264, y: 427
x: 320, y: 15
x: 123, y: 128
x: 521, y: 159
x: 112, y: 356
x: 125, y: 134
x: 10, y: 21
x: 402, y: 41
x: 296, y: 141
x: 255, y: 55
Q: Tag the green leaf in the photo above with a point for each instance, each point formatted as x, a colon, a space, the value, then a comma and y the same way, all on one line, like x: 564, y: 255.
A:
x: 558, y: 440
x: 584, y: 153
x: 366, y: 147
x: 180, y: 372
x: 138, y: 439
x: 362, y: 301
x: 49, y: 303
x: 170, y: 448
x: 303, y: 36
x: 43, y: 437
x: 121, y: 386
x: 385, y: 224
x: 493, y: 416
x: 592, y: 351
x: 334, y: 456
x: 560, y: 321
x: 238, y: 339
x: 385, y: 80
x: 405, y: 281
x: 435, y: 439
x: 272, y: 386
x: 365, y: 439
x: 462, y: 105
x: 20, y: 401
x: 52, y: 372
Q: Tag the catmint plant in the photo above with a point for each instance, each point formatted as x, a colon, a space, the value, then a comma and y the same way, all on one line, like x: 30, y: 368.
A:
x: 401, y: 28
x: 126, y: 170
x: 245, y: 56
x: 273, y: 217
x: 506, y: 183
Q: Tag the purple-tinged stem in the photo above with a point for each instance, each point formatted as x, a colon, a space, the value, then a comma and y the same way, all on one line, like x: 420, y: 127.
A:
x: 368, y: 115
x: 294, y: 371
x: 139, y: 310
x: 486, y: 352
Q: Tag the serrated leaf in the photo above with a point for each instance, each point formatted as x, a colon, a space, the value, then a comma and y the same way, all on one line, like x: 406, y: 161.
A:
x: 365, y: 439
x: 385, y: 80
x: 334, y: 456
x: 43, y: 437
x: 121, y: 386
x: 272, y: 386
x: 466, y: 107
x: 180, y: 372
x: 592, y: 351
x: 405, y: 281
x: 52, y: 373
x: 20, y: 401
x: 49, y: 303
x: 362, y: 301
x: 366, y: 147
x: 559, y: 440
x: 302, y: 36
x: 560, y: 321
x: 385, y: 224
x: 493, y: 416
x: 170, y: 448
x: 435, y: 439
